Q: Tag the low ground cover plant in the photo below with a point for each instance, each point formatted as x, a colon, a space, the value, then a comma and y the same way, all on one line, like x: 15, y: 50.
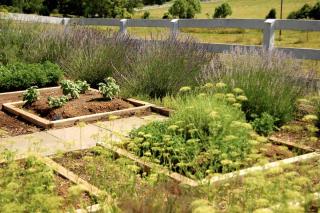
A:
x: 287, y: 188
x: 19, y: 76
x: 206, y: 134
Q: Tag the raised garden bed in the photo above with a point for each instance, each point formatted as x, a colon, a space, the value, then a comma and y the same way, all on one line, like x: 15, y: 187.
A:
x: 89, y: 107
x: 276, y: 154
x: 11, y: 125
x: 37, y: 180
x: 136, y: 188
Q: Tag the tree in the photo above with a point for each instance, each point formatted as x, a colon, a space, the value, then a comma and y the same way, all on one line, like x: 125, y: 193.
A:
x: 108, y: 8
x: 315, y: 11
x: 185, y: 8
x: 222, y: 11
x: 272, y: 14
x: 302, y: 13
x: 71, y: 7
x: 146, y: 15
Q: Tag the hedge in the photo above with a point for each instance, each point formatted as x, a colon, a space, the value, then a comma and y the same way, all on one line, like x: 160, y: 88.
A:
x: 20, y: 76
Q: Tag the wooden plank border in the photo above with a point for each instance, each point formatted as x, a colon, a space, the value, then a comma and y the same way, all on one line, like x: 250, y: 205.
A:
x: 148, y: 165
x: 70, y: 176
x: 185, y: 180
x: 44, y: 123
x: 289, y: 144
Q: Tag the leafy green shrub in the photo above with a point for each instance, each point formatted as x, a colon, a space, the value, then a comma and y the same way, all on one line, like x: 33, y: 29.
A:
x: 18, y: 76
x: 146, y: 15
x: 222, y: 11
x: 265, y: 124
x: 109, y: 89
x: 206, y: 134
x: 185, y: 8
x: 31, y: 95
x: 272, y: 82
x: 57, y: 102
x: 272, y: 14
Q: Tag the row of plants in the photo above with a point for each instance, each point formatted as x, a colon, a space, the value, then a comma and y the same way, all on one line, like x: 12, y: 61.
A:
x: 72, y: 90
x: 19, y: 76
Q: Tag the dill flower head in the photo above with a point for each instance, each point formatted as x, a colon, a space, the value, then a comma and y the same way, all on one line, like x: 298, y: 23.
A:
x: 242, y: 98
x: 221, y: 85
x: 185, y: 89
x: 173, y: 127
x: 237, y: 90
x: 237, y: 105
x: 208, y: 85
x: 310, y: 118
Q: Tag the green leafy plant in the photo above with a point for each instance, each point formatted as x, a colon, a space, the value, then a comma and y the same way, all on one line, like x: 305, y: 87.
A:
x: 206, y: 134
x: 70, y: 88
x: 17, y: 76
x: 109, y: 89
x: 57, y: 102
x: 222, y: 11
x: 146, y: 15
x: 83, y: 86
x: 185, y: 8
x: 31, y: 95
x: 265, y: 124
x: 272, y: 14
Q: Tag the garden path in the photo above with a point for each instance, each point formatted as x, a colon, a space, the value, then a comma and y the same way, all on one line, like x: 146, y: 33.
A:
x: 82, y: 136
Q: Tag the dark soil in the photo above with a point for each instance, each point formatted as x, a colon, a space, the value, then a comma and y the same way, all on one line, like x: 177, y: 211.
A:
x: 62, y: 186
x: 12, y: 126
x: 89, y: 103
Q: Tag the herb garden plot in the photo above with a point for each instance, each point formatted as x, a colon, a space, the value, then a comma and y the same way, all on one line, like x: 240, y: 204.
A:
x: 32, y: 179
x: 89, y: 106
x: 135, y: 188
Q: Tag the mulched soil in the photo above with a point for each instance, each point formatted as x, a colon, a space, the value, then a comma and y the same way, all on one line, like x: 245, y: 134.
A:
x: 62, y: 186
x: 89, y: 103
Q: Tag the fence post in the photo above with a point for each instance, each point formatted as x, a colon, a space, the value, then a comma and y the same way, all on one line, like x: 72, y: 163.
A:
x: 174, y: 27
x: 123, y: 26
x: 268, y: 34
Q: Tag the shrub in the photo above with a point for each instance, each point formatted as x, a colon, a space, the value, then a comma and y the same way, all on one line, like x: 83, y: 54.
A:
x: 185, y: 8
x: 146, y: 15
x: 265, y: 124
x: 272, y: 14
x: 315, y: 11
x: 162, y: 68
x: 302, y: 13
x: 18, y: 76
x: 206, y: 134
x: 222, y: 11
x: 31, y: 95
x: 271, y: 81
x: 109, y: 89
x: 57, y: 102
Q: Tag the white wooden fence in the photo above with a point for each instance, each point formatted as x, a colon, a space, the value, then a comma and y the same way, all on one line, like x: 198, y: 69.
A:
x: 267, y: 26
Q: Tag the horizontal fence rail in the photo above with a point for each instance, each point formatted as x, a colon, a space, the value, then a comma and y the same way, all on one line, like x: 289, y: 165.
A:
x: 268, y: 28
